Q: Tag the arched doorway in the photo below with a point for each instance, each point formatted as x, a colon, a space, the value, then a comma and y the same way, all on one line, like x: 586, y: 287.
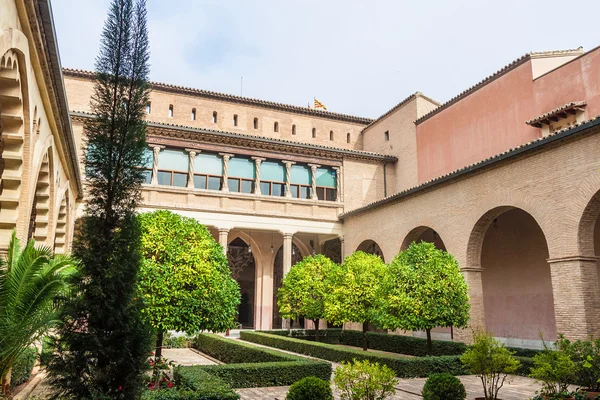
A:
x: 423, y: 234
x: 332, y: 249
x: 42, y: 207
x: 517, y: 288
x: 243, y: 270
x: 278, y: 277
x: 370, y: 247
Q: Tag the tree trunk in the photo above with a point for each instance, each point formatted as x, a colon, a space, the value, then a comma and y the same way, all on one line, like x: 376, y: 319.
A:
x: 429, y: 346
x: 159, y: 343
x: 316, y: 322
x: 364, y: 335
x: 6, y: 383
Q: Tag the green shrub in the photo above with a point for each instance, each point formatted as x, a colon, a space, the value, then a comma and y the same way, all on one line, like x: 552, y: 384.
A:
x: 233, y: 352
x: 264, y: 374
x: 407, y: 345
x: 443, y: 387
x: 491, y: 361
x: 22, y: 368
x: 404, y: 367
x: 202, y: 384
x: 554, y: 368
x: 186, y: 394
x: 252, y: 366
x: 47, y: 351
x: 175, y: 342
x: 310, y: 388
x: 365, y: 381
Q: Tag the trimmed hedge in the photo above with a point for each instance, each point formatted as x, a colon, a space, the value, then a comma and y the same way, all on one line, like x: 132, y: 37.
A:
x: 407, y: 345
x: 250, y: 375
x: 200, y: 385
x: 252, y: 366
x: 404, y: 367
x: 21, y: 371
x: 235, y: 352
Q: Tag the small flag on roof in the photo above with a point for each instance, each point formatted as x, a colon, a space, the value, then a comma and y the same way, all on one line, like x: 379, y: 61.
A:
x: 318, y: 104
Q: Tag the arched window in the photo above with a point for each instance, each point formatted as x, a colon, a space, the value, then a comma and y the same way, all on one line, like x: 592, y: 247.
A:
x: 193, y: 116
x: 314, y: 132
x: 255, y: 123
x: 348, y: 137
x: 170, y: 110
x: 330, y: 135
x: 276, y: 127
x: 235, y: 119
x: 293, y: 129
x: 214, y: 117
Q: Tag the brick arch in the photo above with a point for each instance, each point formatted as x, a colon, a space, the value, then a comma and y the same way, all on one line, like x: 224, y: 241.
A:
x: 42, y: 202
x: 14, y: 108
x: 63, y: 222
x: 416, y: 233
x: 589, y: 216
x: 371, y: 247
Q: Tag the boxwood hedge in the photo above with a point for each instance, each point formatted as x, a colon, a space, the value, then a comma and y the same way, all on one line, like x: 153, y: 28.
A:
x: 404, y: 367
x: 408, y: 345
x: 252, y: 366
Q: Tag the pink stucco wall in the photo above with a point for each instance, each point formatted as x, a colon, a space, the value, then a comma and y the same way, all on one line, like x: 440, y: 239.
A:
x: 493, y: 118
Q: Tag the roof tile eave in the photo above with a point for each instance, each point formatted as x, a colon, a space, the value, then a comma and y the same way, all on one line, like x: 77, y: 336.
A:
x: 285, y: 142
x: 240, y: 99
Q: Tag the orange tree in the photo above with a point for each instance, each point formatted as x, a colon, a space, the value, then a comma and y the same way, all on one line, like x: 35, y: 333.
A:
x: 354, y: 291
x: 184, y: 280
x: 303, y: 289
x: 424, y: 289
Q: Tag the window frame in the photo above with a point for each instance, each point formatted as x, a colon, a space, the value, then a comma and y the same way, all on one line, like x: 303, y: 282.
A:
x: 207, y: 176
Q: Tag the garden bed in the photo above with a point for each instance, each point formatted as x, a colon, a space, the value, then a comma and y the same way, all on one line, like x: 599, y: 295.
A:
x: 404, y: 367
x: 251, y: 366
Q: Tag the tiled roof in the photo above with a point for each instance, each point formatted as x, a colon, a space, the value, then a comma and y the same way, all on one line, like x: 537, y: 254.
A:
x: 274, y: 141
x: 537, y: 122
x: 397, y: 106
x: 519, y: 61
x: 237, y: 99
x: 558, y: 135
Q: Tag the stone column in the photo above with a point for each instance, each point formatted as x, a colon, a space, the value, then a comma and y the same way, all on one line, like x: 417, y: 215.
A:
x: 257, y: 161
x: 223, y: 239
x: 342, y: 248
x: 313, y: 170
x: 288, y: 172
x: 576, y: 296
x: 287, y: 265
x: 226, y: 157
x: 156, y: 149
x: 338, y: 183
x: 473, y: 277
x: 192, y: 153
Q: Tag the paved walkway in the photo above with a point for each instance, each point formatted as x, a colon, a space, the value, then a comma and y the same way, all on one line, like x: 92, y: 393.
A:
x: 187, y: 357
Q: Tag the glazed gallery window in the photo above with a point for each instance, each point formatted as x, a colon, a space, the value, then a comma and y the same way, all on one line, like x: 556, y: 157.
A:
x: 208, y: 171
x: 173, y: 168
x: 147, y: 167
x: 241, y: 175
x: 272, y: 178
x: 300, y: 182
x: 326, y: 184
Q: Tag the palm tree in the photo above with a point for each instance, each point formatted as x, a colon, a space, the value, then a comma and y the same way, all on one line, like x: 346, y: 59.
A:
x: 31, y: 283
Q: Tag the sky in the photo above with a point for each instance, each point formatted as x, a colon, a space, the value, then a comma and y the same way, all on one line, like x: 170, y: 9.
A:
x: 357, y: 57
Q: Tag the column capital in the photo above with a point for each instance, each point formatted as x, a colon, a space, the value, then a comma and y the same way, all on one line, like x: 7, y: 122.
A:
x: 576, y: 258
x: 195, y: 151
x: 288, y: 162
x: 336, y: 168
x: 315, y: 166
x: 156, y: 146
x: 258, y: 159
x: 224, y: 230
x: 287, y: 234
x: 228, y: 155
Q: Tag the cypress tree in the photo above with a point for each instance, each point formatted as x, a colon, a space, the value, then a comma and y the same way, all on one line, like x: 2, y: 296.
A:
x: 102, y: 345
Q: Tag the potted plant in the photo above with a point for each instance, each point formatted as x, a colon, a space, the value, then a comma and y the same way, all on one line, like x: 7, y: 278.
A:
x: 491, y: 361
x: 555, y: 370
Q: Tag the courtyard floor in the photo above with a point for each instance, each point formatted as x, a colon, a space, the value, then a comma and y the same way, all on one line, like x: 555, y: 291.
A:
x: 517, y: 387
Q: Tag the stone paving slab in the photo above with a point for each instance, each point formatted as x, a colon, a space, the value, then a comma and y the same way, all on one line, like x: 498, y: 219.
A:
x: 186, y: 357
